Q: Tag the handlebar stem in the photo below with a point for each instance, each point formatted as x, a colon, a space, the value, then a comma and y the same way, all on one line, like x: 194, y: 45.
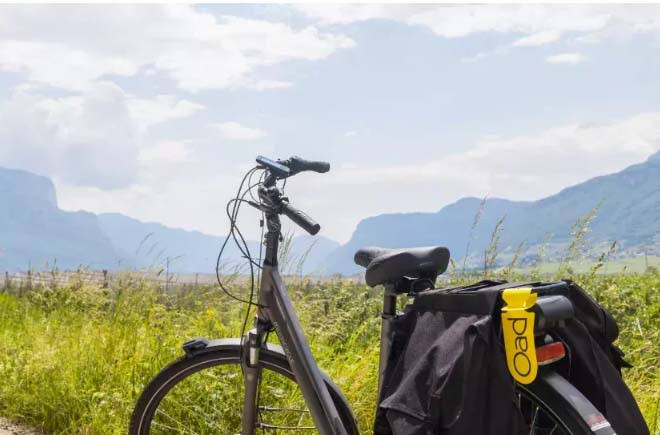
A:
x: 271, y: 197
x: 272, y: 238
x: 270, y: 180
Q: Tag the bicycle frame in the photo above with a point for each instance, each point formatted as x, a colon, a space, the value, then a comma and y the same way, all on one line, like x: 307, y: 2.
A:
x: 325, y: 402
x: 276, y: 312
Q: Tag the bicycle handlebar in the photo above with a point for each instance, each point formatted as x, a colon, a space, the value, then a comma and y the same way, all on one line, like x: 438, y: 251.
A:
x: 292, y: 166
x: 281, y: 169
x: 300, y: 218
x: 298, y: 164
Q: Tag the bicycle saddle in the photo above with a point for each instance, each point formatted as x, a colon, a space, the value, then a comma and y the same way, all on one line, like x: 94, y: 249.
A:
x: 388, y: 265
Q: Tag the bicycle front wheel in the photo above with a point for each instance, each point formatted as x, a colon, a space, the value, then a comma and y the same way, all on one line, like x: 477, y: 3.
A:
x: 203, y: 394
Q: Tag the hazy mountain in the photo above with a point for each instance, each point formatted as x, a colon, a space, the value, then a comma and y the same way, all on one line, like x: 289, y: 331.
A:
x: 34, y: 231
x: 148, y: 244
x: 312, y: 252
x: 628, y: 211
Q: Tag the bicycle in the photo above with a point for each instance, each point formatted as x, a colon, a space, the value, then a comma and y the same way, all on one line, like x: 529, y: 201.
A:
x: 221, y: 385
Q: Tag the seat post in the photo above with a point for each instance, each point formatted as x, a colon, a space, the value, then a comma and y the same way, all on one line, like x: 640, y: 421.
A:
x: 386, y: 332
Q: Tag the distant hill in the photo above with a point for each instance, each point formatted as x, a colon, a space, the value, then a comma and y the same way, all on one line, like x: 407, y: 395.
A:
x: 148, y: 244
x: 315, y: 250
x: 34, y: 231
x: 629, y: 212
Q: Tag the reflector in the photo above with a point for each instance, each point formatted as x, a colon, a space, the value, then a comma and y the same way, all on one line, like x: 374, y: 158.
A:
x: 550, y: 353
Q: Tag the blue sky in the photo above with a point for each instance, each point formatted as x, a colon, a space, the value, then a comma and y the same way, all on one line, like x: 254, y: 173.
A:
x: 155, y: 111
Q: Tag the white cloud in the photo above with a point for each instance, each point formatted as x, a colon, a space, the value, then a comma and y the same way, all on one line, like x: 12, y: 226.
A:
x: 519, y: 167
x: 162, y: 108
x: 70, y: 46
x: 552, y: 158
x: 536, y: 39
x: 459, y: 21
x: 498, y: 51
x: 165, y: 150
x: 515, y: 167
x: 350, y: 133
x: 58, y: 64
x: 234, y: 131
x: 93, y: 138
x: 567, y: 58
x: 345, y: 13
x: 566, y: 154
x: 262, y: 85
x: 88, y: 139
x: 539, y: 24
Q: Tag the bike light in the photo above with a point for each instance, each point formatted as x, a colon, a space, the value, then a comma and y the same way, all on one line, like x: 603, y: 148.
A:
x: 550, y: 353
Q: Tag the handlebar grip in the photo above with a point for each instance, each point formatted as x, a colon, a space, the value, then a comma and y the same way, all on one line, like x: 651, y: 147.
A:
x: 300, y: 218
x: 298, y: 164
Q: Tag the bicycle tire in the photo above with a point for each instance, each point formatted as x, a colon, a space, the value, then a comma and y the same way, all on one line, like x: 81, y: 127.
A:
x: 569, y: 412
x: 272, y: 359
x: 572, y: 413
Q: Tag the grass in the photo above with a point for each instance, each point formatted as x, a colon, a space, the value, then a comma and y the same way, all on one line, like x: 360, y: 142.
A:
x: 614, y: 266
x: 74, y: 359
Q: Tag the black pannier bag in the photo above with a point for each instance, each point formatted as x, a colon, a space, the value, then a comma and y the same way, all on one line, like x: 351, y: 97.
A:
x: 447, y: 371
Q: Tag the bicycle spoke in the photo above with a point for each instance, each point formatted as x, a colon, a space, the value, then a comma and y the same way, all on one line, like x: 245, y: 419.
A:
x: 538, y: 420
x: 195, y: 409
x: 271, y: 408
x: 533, y: 422
x: 211, y: 402
x: 208, y: 420
x: 173, y: 429
x: 275, y: 427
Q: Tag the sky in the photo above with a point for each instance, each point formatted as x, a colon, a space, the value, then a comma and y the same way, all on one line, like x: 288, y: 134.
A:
x: 156, y: 111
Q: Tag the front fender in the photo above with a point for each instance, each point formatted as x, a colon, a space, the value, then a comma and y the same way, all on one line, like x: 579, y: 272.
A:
x: 201, y: 345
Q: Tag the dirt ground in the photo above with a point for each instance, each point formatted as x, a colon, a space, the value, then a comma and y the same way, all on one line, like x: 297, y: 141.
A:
x: 8, y: 428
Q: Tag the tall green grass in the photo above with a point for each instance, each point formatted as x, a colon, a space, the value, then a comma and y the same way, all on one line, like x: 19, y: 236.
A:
x: 73, y: 360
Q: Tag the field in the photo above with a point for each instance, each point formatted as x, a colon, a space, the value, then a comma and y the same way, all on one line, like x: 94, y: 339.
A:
x: 620, y: 265
x: 74, y: 358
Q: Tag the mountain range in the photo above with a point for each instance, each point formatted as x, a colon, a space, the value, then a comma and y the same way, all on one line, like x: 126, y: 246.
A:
x: 145, y: 244
x: 35, y: 232
x: 626, y: 206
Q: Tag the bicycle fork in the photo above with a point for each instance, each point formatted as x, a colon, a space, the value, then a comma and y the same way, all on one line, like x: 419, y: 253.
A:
x: 251, y: 379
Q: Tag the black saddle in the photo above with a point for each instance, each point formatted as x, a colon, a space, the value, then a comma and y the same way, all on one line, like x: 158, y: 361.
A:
x: 388, y: 265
